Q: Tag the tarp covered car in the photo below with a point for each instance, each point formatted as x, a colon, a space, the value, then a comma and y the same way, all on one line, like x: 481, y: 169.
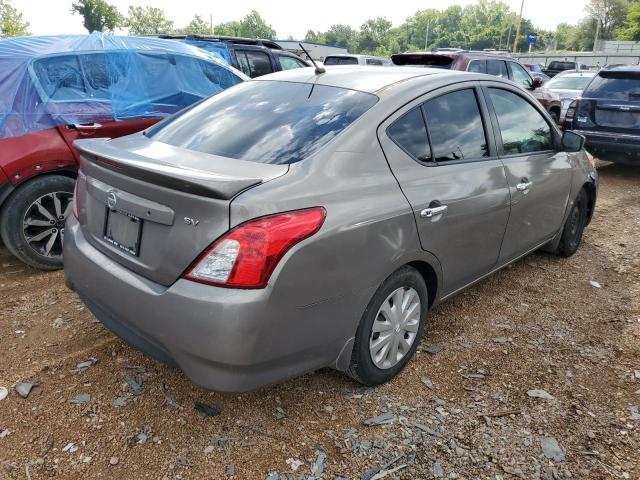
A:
x: 54, y: 89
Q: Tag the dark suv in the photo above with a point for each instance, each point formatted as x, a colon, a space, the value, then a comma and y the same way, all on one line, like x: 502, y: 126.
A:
x: 483, y: 62
x: 555, y: 67
x: 608, y: 114
x: 254, y: 57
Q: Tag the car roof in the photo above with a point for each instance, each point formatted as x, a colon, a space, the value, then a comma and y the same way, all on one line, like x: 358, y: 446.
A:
x: 623, y: 68
x: 576, y: 73
x: 258, y: 42
x: 373, y: 79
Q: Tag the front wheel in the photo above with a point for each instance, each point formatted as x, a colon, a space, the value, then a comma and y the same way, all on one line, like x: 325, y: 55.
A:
x: 574, y: 226
x: 32, y: 222
x: 390, y: 328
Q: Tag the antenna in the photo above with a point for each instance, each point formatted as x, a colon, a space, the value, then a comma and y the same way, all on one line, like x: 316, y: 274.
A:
x: 319, y: 70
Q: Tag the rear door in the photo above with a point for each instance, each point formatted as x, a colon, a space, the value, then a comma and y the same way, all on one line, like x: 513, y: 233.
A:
x: 611, y: 102
x: 539, y: 175
x: 439, y: 148
x: 254, y: 63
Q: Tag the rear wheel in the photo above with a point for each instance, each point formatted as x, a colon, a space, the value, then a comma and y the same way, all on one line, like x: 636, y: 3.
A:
x: 32, y: 222
x: 390, y: 328
x: 574, y: 226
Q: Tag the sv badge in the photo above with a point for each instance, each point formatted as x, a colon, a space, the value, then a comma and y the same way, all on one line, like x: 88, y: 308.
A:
x: 191, y: 221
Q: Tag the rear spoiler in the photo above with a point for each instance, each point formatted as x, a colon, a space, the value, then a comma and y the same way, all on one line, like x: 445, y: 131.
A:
x: 183, y: 178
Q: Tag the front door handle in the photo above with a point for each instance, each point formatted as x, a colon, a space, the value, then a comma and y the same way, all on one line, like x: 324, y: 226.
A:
x: 433, y: 211
x: 524, y: 186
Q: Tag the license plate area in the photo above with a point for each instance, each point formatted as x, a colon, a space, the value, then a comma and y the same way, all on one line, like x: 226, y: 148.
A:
x: 123, y: 231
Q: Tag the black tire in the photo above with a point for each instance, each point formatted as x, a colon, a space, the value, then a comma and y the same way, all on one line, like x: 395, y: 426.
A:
x: 574, y: 226
x: 362, y: 367
x: 13, y: 215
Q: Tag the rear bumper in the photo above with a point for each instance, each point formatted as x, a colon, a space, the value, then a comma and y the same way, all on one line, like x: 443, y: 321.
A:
x: 614, y: 147
x: 223, y: 339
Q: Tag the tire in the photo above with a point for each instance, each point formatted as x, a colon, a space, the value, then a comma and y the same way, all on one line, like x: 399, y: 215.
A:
x: 37, y: 209
x: 574, y: 226
x: 364, y: 368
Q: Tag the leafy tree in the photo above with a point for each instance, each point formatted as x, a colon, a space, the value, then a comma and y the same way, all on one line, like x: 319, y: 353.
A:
x: 631, y: 31
x: 147, y: 21
x: 315, y: 37
x: 199, y: 25
x: 340, y: 35
x: 611, y: 14
x: 98, y: 15
x: 11, y: 22
x: 373, y: 34
x: 251, y: 26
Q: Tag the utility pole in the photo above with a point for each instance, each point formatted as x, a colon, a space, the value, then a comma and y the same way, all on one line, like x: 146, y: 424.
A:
x: 211, y: 23
x: 515, y: 41
x: 509, y: 37
x: 595, y: 40
x: 426, y: 39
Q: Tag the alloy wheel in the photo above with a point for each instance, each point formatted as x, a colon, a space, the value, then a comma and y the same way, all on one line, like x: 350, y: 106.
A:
x: 43, y: 223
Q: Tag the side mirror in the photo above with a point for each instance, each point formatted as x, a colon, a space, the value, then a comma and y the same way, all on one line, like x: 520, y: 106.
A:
x: 537, y: 83
x: 572, y: 141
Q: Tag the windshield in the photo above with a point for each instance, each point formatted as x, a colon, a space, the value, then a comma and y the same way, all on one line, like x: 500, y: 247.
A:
x: 569, y: 83
x: 614, y: 85
x: 265, y: 121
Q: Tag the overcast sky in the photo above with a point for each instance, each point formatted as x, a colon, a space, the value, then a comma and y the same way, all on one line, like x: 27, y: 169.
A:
x: 286, y: 17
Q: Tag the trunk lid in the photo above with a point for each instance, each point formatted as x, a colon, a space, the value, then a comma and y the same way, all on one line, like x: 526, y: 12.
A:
x: 153, y: 207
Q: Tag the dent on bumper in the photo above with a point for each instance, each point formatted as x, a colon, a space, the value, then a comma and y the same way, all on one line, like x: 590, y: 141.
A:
x: 215, y: 335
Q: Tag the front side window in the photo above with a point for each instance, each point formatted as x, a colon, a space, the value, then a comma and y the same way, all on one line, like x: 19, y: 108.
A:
x: 523, y: 128
x: 497, y: 68
x: 289, y: 63
x: 410, y: 133
x: 455, y: 127
x: 265, y: 121
x: 520, y: 76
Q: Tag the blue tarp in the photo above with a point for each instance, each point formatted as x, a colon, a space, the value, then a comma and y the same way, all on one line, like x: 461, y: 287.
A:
x: 221, y: 49
x: 60, y: 80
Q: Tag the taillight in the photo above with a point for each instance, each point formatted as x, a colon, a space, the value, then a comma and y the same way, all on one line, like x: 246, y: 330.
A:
x: 571, y: 111
x: 246, y: 256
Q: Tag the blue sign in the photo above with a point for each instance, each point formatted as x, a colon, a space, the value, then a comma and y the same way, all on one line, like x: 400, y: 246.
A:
x: 532, y: 37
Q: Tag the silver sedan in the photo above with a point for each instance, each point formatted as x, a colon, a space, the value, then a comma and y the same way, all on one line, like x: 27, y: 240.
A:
x: 308, y: 219
x: 569, y: 86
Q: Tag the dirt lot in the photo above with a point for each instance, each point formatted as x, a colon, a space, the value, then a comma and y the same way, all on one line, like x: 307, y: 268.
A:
x: 462, y: 409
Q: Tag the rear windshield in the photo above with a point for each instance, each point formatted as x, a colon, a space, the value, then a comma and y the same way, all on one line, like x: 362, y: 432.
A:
x: 562, y: 65
x: 265, y: 121
x: 614, y: 85
x: 569, y: 83
x: 341, y: 61
x: 420, y: 59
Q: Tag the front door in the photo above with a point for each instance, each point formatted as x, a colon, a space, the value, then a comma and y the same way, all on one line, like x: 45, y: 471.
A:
x: 441, y: 155
x: 539, y: 175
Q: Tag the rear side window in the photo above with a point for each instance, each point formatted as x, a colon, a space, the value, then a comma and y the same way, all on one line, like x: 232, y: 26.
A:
x: 497, y: 68
x: 374, y: 61
x: 455, y: 127
x: 477, y: 66
x: 410, y: 133
x: 61, y: 77
x: 253, y: 63
x: 341, y: 61
x: 614, y: 86
x: 523, y: 128
x: 265, y: 121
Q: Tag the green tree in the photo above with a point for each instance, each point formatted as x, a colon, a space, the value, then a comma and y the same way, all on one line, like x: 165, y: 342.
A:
x: 631, y: 31
x: 147, y: 21
x: 199, y: 25
x: 340, y: 35
x: 611, y: 14
x: 251, y: 26
x: 98, y: 15
x: 564, y: 36
x: 11, y: 22
x: 373, y: 34
x: 315, y: 37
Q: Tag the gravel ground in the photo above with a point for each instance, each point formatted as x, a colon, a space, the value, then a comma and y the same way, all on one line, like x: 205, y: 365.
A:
x: 533, y: 373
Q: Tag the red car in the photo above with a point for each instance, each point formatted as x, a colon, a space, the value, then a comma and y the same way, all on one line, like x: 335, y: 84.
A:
x: 483, y: 62
x: 54, y: 90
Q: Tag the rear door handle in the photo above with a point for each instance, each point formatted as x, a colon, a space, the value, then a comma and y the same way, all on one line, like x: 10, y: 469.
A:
x: 86, y: 126
x: 433, y: 211
x: 524, y: 186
